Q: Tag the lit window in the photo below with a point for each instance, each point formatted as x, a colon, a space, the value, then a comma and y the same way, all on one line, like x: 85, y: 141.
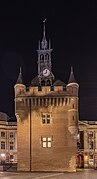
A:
x: 3, y: 155
x: 46, y: 142
x: 46, y: 118
x: 2, y: 134
x: 2, y: 145
x: 11, y: 134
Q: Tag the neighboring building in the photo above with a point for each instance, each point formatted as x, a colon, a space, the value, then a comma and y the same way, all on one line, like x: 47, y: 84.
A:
x: 8, y: 139
x: 47, y: 118
x: 87, y: 144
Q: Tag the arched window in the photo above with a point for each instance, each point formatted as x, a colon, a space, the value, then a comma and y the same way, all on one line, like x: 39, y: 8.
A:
x: 46, y: 57
x: 41, y: 57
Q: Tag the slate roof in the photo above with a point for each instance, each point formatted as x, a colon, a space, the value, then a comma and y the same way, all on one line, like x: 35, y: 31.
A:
x: 59, y: 83
x: 71, y: 78
x: 4, y: 117
x: 20, y: 80
x: 35, y: 81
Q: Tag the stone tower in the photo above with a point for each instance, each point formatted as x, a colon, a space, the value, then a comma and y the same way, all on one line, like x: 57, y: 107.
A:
x: 45, y: 74
x: 46, y: 118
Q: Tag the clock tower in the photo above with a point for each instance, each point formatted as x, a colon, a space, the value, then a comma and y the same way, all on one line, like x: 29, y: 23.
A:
x: 45, y: 74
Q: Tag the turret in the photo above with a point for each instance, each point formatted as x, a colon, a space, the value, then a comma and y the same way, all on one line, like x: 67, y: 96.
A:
x: 72, y: 89
x: 20, y: 89
x: 19, y: 86
x: 72, y: 86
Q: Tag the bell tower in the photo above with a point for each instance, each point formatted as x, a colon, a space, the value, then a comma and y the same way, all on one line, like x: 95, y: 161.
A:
x: 45, y: 74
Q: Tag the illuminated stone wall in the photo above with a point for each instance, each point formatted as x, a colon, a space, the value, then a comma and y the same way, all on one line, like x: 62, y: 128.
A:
x: 88, y: 151
x: 62, y: 106
x: 8, y: 137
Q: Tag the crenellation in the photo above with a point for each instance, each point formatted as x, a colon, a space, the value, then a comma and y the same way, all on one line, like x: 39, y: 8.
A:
x: 45, y: 90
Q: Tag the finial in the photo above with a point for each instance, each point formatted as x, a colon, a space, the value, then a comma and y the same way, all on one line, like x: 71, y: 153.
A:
x: 20, y: 70
x: 19, y: 80
x: 71, y: 69
x: 71, y: 78
x: 49, y: 44
x: 44, y: 26
x: 39, y: 45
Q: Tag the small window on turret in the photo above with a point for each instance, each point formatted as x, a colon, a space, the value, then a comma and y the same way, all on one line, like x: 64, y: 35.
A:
x: 73, y: 118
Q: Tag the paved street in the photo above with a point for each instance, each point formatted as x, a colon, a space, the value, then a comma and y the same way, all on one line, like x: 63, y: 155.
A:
x: 84, y: 174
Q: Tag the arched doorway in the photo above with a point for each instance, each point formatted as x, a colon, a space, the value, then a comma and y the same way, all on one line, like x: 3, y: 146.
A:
x: 80, y: 161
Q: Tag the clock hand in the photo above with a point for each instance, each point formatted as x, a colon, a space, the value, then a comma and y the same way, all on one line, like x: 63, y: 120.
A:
x: 45, y: 71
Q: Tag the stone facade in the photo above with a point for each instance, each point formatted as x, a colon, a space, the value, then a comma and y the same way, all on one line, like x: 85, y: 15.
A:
x: 8, y: 139
x: 47, y: 119
x: 87, y: 144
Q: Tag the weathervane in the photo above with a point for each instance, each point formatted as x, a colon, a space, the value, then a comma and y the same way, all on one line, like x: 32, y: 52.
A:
x: 44, y: 27
x: 44, y: 20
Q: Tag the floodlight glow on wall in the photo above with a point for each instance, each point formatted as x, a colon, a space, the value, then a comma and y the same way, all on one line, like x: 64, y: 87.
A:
x: 2, y: 155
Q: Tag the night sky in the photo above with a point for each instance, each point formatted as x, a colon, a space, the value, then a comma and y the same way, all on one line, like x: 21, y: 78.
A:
x: 72, y: 28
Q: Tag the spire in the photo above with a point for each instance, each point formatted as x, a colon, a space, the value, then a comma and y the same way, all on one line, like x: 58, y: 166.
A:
x: 19, y: 80
x: 71, y: 78
x: 44, y: 27
x: 44, y: 41
x: 49, y: 44
x: 39, y: 45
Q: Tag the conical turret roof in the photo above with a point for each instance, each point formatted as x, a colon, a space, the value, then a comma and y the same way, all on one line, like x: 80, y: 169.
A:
x: 20, y: 80
x: 71, y: 78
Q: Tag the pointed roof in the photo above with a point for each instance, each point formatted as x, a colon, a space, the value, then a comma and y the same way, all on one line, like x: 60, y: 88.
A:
x: 44, y: 41
x: 19, y: 80
x: 71, y: 78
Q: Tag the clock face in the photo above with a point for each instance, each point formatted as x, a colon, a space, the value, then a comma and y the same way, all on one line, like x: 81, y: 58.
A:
x: 46, y: 72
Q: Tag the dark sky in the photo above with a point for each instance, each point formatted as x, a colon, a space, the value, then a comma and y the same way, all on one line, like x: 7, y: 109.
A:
x: 72, y: 28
